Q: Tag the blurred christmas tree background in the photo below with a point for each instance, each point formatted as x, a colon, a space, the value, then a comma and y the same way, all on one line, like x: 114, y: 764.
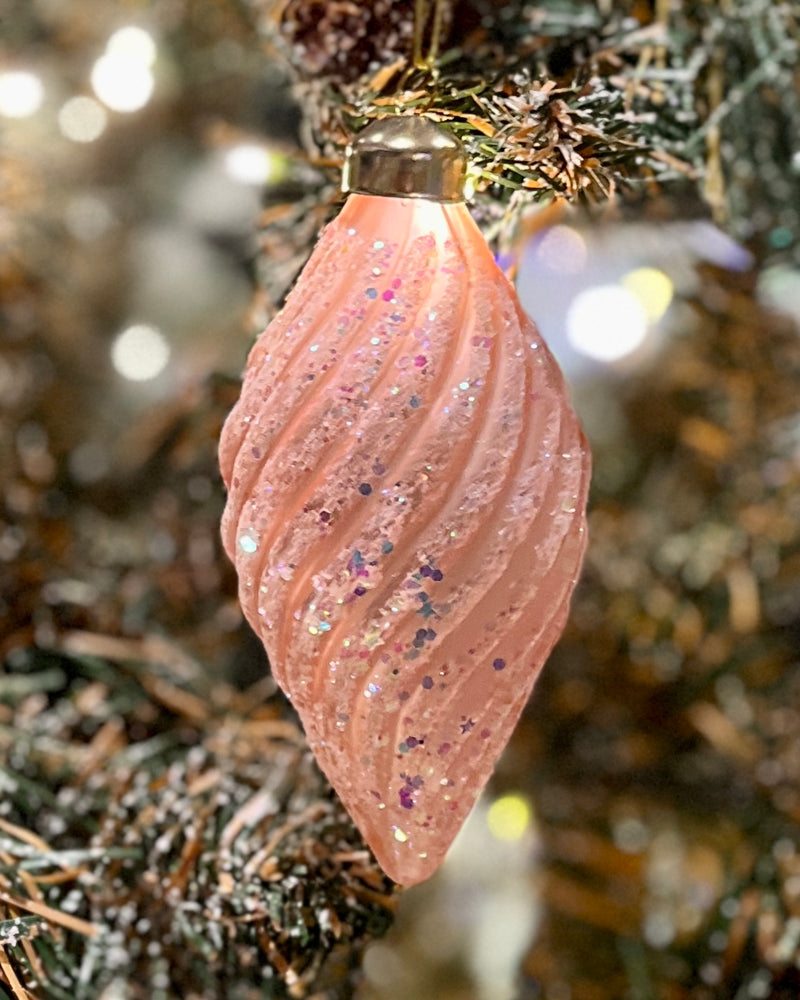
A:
x: 165, y: 167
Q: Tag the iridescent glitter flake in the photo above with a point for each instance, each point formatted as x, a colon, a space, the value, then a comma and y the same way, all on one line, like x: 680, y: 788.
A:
x: 432, y: 546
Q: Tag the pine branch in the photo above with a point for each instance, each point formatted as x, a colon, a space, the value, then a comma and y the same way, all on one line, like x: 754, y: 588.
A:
x: 153, y: 840
x: 559, y: 101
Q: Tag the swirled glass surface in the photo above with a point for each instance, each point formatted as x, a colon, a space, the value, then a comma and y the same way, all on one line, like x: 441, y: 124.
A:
x: 407, y: 486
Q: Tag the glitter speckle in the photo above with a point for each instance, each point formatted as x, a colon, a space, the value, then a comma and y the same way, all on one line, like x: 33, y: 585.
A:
x: 378, y: 244
x: 499, y: 664
x: 432, y: 572
x: 371, y: 293
x: 400, y: 836
x: 248, y: 543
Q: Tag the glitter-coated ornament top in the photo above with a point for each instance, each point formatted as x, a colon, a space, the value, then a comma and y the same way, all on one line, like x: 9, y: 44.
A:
x: 407, y: 484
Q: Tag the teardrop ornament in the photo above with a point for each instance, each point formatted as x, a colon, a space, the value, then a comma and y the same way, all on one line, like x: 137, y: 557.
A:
x: 407, y: 487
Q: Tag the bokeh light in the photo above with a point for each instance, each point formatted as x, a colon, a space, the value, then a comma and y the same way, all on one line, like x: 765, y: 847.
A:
x: 652, y: 288
x: 21, y: 94
x: 88, y: 462
x: 250, y: 163
x: 121, y: 82
x: 82, y: 119
x: 122, y: 77
x: 509, y: 817
x: 606, y: 322
x: 88, y: 217
x: 140, y: 353
x: 133, y: 43
x: 779, y: 288
x: 562, y: 249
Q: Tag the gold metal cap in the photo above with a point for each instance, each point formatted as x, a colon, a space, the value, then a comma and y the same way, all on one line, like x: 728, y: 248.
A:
x: 405, y: 157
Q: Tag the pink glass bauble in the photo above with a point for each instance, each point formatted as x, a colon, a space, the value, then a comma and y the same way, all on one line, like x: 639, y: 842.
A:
x: 406, y: 493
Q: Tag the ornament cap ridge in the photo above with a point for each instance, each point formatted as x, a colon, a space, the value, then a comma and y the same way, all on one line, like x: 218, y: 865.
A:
x: 405, y: 156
